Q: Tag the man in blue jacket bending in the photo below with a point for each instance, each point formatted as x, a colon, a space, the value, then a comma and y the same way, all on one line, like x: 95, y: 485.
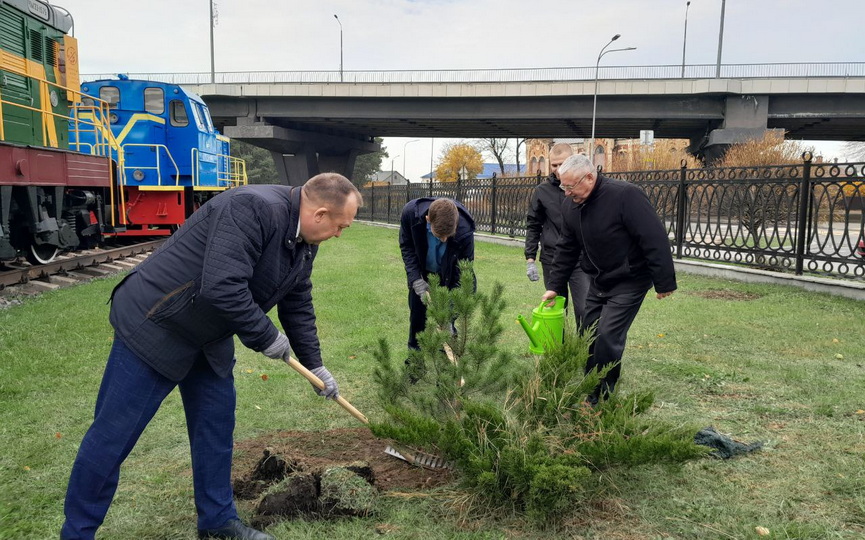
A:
x: 175, y: 317
x: 434, y: 235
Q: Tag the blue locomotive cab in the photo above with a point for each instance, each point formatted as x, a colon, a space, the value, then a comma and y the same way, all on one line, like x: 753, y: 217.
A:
x: 166, y: 143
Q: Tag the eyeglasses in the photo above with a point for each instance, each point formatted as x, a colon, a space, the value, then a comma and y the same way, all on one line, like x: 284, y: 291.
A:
x: 571, y: 187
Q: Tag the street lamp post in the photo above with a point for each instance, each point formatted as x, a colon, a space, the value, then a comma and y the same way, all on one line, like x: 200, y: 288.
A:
x: 391, y: 168
x: 720, y: 38
x: 595, y: 100
x: 212, y: 60
x: 404, y: 153
x: 340, y: 46
x: 685, y: 38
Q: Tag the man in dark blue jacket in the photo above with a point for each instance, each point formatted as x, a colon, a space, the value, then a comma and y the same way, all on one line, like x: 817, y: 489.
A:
x: 434, y: 235
x: 625, y: 250
x: 175, y: 317
x: 544, y: 225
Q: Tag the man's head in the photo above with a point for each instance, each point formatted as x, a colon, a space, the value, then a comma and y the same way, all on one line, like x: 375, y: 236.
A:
x: 443, y: 218
x: 328, y: 204
x: 558, y: 154
x: 578, y: 177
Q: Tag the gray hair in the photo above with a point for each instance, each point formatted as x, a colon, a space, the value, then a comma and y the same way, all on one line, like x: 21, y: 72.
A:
x: 577, y: 162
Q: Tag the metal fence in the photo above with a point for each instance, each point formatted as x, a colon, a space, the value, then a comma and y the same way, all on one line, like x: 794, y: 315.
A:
x: 798, y: 218
x: 585, y: 73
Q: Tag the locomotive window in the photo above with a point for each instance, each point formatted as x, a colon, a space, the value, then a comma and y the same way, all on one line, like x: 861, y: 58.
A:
x: 196, y: 112
x: 111, y: 94
x: 179, y: 117
x: 205, y: 113
x: 154, y: 100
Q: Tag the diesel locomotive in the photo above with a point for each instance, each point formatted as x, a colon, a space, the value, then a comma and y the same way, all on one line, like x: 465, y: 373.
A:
x: 81, y: 162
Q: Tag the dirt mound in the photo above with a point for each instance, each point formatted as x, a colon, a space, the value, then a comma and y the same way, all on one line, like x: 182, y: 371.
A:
x: 305, y: 451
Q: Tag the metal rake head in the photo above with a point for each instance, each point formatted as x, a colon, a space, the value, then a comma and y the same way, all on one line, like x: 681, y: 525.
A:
x: 421, y: 459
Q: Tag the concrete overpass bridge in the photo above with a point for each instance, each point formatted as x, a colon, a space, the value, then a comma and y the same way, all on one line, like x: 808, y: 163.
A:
x: 314, y: 121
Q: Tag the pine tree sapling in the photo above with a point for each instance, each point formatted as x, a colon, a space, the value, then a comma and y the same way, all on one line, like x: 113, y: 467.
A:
x: 520, y: 434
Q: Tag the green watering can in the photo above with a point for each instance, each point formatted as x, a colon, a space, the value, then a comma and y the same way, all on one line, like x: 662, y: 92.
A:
x: 548, y: 326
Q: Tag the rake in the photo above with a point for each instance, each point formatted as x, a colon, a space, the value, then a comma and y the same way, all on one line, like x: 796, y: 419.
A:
x: 420, y: 459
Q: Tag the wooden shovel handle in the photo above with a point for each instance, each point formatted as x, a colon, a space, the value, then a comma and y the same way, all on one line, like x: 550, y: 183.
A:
x: 310, y: 376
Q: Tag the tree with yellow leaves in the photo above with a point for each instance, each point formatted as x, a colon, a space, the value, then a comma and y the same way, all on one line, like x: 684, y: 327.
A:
x: 454, y: 157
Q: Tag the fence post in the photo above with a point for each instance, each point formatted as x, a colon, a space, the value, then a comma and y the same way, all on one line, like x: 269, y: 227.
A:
x: 407, y: 191
x: 681, y: 206
x: 372, y: 203
x: 804, y: 205
x: 387, y: 219
x: 493, y: 209
x: 459, y: 186
x: 430, y: 187
x: 539, y: 178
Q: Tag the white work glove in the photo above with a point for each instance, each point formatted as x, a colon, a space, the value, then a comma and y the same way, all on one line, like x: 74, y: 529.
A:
x: 331, y: 389
x: 532, y: 271
x: 420, y: 286
x: 279, y: 348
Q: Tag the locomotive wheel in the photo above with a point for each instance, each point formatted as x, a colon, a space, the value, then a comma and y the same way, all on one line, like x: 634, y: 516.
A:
x: 42, y: 253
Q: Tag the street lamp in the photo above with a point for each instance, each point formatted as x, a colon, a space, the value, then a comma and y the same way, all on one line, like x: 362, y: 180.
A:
x: 340, y: 46
x: 404, y: 153
x: 391, y: 168
x: 685, y: 38
x: 212, y: 61
x: 595, y: 101
x: 720, y: 39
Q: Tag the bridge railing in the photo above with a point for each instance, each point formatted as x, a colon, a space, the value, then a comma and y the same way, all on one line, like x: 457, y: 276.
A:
x: 697, y: 71
x: 791, y: 218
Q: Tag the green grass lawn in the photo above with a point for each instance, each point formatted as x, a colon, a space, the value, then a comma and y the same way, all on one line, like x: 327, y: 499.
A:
x: 757, y: 361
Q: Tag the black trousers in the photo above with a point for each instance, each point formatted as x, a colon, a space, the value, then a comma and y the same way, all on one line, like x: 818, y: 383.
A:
x: 416, y: 318
x: 614, y: 314
x: 578, y: 283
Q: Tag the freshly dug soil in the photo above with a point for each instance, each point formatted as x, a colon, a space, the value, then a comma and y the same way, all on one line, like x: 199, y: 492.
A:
x: 306, y: 451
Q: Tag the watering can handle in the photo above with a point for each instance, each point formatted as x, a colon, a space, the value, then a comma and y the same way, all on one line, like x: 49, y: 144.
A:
x: 545, y: 302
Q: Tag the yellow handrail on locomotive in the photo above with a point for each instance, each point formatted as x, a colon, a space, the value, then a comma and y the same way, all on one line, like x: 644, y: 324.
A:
x: 100, y: 120
x: 157, y: 167
x: 235, y: 171
x: 234, y: 174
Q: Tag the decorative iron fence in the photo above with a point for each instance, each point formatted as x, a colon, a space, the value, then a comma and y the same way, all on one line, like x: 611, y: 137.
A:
x: 802, y: 218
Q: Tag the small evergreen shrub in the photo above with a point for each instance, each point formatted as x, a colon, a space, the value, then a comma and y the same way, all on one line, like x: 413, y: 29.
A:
x: 520, y: 435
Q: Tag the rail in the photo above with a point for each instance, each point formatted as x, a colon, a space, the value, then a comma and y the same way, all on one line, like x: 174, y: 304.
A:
x: 158, y: 167
x: 586, y: 73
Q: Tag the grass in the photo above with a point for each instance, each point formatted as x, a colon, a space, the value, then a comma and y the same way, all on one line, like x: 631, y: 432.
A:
x: 758, y: 361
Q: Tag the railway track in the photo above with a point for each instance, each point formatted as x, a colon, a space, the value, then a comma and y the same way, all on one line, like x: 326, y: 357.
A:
x: 23, y: 279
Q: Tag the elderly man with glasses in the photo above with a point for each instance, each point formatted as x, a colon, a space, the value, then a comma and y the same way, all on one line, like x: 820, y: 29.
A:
x: 625, y: 250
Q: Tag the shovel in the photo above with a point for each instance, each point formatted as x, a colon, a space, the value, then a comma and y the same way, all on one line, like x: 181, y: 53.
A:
x: 421, y: 459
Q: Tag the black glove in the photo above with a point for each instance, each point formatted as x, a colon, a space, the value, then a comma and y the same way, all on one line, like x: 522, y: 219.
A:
x: 331, y: 389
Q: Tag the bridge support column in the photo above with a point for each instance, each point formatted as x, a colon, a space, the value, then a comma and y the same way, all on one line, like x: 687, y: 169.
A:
x: 745, y: 118
x: 300, y: 155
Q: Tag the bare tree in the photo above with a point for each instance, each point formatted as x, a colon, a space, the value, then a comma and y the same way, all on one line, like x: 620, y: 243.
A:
x: 498, y: 148
x: 519, y: 142
x: 854, y: 150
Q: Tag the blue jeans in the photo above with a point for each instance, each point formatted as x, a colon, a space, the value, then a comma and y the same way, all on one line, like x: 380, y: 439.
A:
x: 130, y: 394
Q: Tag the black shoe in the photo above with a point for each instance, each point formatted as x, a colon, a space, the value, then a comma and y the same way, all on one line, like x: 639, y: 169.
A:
x: 235, y: 529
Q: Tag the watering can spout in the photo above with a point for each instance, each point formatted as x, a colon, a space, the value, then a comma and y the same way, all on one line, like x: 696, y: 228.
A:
x: 533, y: 337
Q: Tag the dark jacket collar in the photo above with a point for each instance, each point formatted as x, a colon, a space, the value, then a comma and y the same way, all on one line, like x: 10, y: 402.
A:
x: 291, y: 236
x: 599, y: 181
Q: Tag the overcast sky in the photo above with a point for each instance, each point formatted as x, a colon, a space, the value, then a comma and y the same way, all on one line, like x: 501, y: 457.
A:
x: 156, y: 36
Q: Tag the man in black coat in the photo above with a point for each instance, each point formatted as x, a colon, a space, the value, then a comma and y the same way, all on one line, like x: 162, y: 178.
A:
x: 434, y: 235
x: 544, y: 225
x: 175, y: 317
x: 625, y: 250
